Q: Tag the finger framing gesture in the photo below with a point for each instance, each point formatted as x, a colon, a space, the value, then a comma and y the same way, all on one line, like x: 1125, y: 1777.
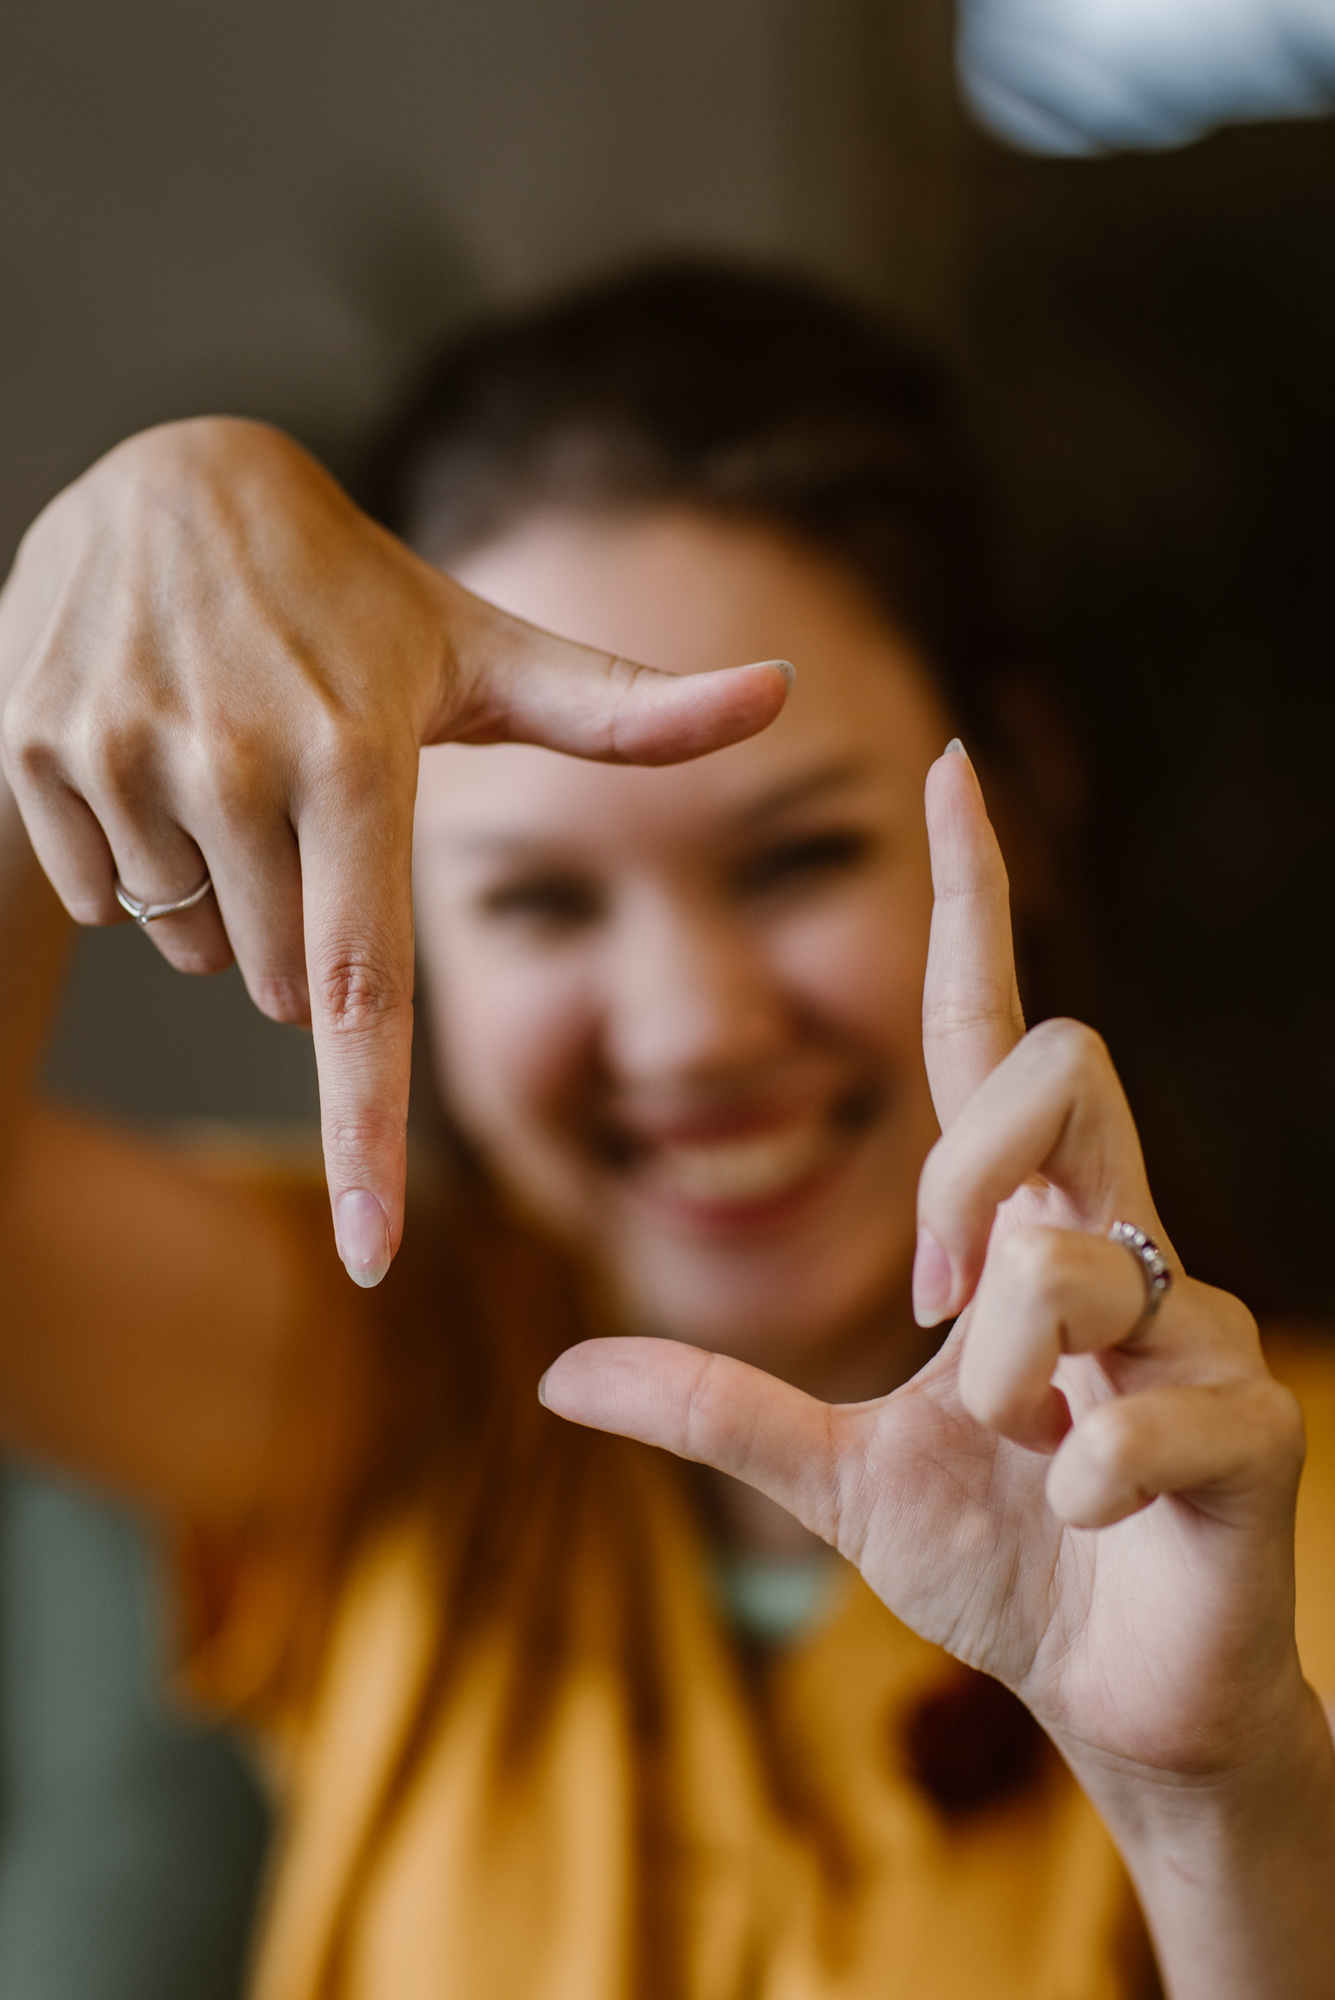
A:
x: 1094, y: 1505
x: 216, y: 667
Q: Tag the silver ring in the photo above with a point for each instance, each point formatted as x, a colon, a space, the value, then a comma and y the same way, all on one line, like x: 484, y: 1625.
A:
x: 1154, y: 1266
x: 148, y: 913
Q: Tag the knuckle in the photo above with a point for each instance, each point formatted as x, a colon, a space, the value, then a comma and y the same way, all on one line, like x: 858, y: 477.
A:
x: 1110, y: 1439
x: 1280, y: 1424
x: 17, y: 721
x: 352, y: 1140
x: 981, y: 1394
x: 959, y: 1014
x: 1033, y: 1266
x: 1235, y: 1321
x: 359, y: 991
x: 698, y: 1424
x: 117, y: 758
x: 342, y: 761
x: 327, y: 752
x: 362, y: 781
x: 230, y: 770
x: 24, y: 749
x: 1078, y: 1050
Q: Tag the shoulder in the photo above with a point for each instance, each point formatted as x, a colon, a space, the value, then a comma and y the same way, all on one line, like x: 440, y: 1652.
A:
x: 1303, y: 1358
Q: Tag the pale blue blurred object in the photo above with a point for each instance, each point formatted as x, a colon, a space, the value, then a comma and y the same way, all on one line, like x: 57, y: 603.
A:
x: 1091, y: 76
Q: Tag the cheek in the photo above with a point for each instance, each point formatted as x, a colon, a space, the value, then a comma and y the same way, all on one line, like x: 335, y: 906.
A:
x: 512, y: 1034
x: 859, y: 962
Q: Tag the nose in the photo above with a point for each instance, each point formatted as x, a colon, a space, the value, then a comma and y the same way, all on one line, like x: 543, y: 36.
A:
x: 689, y: 996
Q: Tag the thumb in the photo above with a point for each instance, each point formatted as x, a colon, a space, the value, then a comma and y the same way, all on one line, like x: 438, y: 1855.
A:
x: 517, y: 683
x: 716, y: 1411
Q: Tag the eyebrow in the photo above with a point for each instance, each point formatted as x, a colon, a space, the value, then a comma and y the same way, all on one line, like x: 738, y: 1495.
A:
x: 801, y: 790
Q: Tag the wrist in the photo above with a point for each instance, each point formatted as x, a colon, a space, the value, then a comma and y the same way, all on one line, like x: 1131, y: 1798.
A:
x: 1229, y: 1773
x: 1233, y: 1862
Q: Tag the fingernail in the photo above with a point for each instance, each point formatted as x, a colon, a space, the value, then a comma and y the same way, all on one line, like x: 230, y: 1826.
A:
x: 933, y: 1281
x: 542, y: 1391
x: 955, y: 749
x: 363, y: 1236
x: 786, y: 668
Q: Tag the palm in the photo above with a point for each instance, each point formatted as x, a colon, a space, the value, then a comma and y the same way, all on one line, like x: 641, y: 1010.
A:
x: 959, y: 1541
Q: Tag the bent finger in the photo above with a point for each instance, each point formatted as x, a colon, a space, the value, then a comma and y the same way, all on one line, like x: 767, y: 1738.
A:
x: 971, y: 1014
x: 1043, y: 1293
x: 713, y: 1410
x: 257, y: 882
x: 71, y: 848
x: 1218, y: 1444
x: 157, y: 862
x: 66, y: 837
x: 518, y: 683
x: 1053, y: 1109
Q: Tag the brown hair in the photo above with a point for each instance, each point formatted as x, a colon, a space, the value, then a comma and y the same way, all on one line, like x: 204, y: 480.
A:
x: 739, y: 391
x: 764, y: 395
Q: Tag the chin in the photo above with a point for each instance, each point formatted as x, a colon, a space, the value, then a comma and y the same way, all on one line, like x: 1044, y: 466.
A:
x: 780, y: 1319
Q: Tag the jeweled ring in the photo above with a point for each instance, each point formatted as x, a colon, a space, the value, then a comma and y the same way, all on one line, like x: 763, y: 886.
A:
x: 1154, y: 1266
x: 148, y: 913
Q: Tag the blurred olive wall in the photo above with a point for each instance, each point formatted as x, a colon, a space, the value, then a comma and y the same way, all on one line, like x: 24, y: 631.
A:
x: 266, y: 207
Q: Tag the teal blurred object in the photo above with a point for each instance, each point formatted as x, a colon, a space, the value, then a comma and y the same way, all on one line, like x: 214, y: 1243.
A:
x: 132, y: 1838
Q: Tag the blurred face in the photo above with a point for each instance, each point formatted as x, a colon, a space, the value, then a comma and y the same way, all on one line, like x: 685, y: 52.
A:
x: 680, y: 1009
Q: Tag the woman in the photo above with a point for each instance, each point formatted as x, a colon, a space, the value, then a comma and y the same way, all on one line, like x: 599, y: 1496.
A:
x: 556, y: 1718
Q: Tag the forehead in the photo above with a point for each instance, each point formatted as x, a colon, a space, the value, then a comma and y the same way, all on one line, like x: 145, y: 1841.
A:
x: 687, y: 593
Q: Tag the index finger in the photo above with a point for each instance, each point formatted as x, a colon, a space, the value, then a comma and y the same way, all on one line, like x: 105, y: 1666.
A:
x: 971, y: 1014
x: 356, y: 857
x: 355, y: 835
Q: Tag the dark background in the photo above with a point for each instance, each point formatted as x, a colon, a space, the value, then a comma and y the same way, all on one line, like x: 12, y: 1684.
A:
x: 273, y: 208
x: 1152, y: 339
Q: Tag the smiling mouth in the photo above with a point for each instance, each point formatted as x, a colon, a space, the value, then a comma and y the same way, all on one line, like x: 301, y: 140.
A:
x: 730, y: 1171
x: 754, y: 1170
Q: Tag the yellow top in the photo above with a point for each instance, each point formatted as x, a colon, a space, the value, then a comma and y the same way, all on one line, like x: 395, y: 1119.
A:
x: 530, y: 1762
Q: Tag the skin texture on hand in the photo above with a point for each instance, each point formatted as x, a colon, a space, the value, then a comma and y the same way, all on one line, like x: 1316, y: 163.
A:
x: 1095, y: 1508
x: 214, y: 663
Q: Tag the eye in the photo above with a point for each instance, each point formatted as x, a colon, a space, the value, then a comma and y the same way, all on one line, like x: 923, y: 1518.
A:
x: 807, y: 859
x: 548, y: 903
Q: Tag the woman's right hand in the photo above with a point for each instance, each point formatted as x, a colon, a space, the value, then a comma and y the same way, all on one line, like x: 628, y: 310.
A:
x: 215, y: 663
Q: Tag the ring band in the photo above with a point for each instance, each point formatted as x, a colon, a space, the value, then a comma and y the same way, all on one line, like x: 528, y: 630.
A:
x: 148, y: 913
x: 1154, y: 1266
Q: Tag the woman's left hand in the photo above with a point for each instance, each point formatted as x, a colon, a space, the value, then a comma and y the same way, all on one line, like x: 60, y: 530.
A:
x: 1094, y: 1505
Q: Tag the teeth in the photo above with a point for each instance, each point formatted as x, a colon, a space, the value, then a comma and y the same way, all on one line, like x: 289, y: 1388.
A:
x: 741, y: 1169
